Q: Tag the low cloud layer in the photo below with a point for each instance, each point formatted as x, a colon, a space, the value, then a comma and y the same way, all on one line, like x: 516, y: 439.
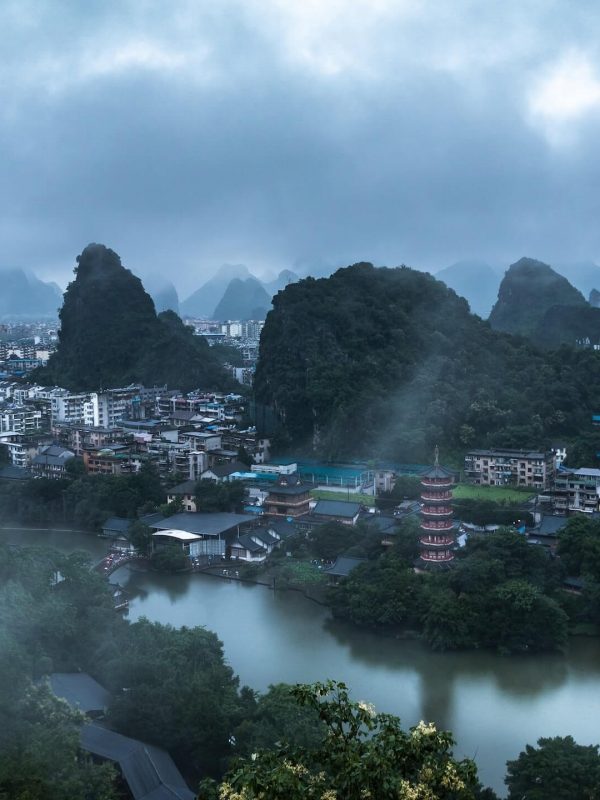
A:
x: 189, y: 134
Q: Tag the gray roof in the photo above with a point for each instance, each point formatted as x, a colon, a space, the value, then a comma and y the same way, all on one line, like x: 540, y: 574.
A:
x: 246, y: 541
x: 187, y: 487
x: 149, y: 771
x: 337, y: 508
x: 117, y: 525
x: 508, y: 452
x: 223, y: 470
x: 202, y: 524
x: 282, y: 528
x: 550, y: 525
x: 50, y: 461
x: 344, y: 565
x: 80, y: 690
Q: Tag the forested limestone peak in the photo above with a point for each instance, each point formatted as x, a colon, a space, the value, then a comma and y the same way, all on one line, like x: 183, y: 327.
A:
x: 377, y: 362
x: 111, y: 335
x: 529, y: 288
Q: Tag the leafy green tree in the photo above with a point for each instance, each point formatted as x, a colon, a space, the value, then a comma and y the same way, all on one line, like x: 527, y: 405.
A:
x: 362, y: 755
x: 179, y: 694
x: 140, y: 536
x: 170, y: 558
x: 557, y: 769
x: 518, y: 617
x: 329, y: 540
x: 276, y: 717
x: 213, y: 496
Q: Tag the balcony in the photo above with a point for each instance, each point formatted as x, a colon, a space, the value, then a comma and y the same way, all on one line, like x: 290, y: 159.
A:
x: 447, y: 525
x: 436, y: 511
x: 429, y: 541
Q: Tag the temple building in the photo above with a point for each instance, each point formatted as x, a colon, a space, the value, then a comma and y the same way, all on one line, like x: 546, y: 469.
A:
x: 437, y: 541
x: 288, y: 497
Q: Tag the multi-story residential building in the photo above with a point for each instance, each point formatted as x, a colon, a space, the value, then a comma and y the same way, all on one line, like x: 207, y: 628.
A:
x: 501, y: 467
x: 577, y: 490
x: 21, y: 449
x: 19, y: 418
x: 113, y: 461
x: 68, y: 407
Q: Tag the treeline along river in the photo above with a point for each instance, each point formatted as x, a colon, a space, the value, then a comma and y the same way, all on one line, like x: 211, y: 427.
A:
x: 493, y: 704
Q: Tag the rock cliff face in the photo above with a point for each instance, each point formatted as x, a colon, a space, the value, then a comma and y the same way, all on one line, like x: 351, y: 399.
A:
x: 528, y: 290
x: 111, y: 335
x: 23, y: 296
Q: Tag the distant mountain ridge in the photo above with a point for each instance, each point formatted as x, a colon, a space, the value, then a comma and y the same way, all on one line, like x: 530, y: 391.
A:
x: 243, y: 299
x: 24, y: 296
x: 162, y: 292
x: 476, y: 281
x: 235, y: 293
x: 204, y: 300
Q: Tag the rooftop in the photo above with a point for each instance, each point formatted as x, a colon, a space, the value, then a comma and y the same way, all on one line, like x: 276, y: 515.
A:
x: 344, y: 565
x: 80, y: 690
x: 149, y: 771
x: 202, y: 524
x: 337, y: 508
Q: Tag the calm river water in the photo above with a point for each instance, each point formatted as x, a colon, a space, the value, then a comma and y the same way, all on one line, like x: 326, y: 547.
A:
x: 494, y: 705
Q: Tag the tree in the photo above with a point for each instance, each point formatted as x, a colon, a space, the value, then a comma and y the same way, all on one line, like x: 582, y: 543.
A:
x: 180, y: 693
x: 362, y: 754
x: 213, y: 496
x: 40, y: 757
x: 276, y: 717
x: 558, y: 769
x: 331, y: 539
x: 140, y: 536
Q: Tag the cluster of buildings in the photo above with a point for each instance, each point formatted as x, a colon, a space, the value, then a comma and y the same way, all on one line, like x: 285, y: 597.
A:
x: 570, y: 490
x: 115, y: 431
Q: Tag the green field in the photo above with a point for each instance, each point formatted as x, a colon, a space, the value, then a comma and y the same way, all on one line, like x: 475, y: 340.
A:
x: 323, y: 494
x: 498, y: 494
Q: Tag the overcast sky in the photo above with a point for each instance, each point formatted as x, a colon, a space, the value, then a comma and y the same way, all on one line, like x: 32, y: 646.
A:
x: 188, y: 134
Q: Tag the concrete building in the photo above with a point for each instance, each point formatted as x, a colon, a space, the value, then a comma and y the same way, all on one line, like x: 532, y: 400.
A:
x: 506, y: 467
x: 577, y: 490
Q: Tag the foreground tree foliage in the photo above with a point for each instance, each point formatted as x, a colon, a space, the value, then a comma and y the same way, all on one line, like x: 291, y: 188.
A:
x: 557, y: 769
x: 39, y: 751
x: 362, y: 755
x: 381, y: 362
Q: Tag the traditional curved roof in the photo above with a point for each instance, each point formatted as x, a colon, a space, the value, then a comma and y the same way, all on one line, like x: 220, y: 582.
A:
x: 438, y: 472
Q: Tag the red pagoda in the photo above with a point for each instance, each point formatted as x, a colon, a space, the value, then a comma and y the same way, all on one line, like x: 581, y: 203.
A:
x: 437, y: 541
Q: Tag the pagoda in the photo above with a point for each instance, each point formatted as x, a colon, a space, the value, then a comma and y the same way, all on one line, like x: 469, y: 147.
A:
x: 437, y: 541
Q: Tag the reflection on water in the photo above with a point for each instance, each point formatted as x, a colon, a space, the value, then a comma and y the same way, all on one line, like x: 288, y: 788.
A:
x: 493, y: 704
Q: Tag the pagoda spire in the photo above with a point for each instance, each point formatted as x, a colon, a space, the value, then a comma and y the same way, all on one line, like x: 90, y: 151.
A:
x: 436, y: 456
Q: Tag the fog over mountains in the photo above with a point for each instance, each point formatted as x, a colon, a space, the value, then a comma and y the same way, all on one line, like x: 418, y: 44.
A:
x: 234, y: 292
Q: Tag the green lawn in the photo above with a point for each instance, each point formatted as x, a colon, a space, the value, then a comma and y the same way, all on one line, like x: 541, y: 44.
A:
x: 323, y: 494
x: 466, y: 491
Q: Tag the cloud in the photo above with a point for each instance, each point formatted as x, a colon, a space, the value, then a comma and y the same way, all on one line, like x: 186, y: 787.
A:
x: 567, y: 91
x: 188, y: 134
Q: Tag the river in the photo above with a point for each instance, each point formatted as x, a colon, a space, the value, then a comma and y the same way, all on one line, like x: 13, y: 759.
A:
x: 494, y: 705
